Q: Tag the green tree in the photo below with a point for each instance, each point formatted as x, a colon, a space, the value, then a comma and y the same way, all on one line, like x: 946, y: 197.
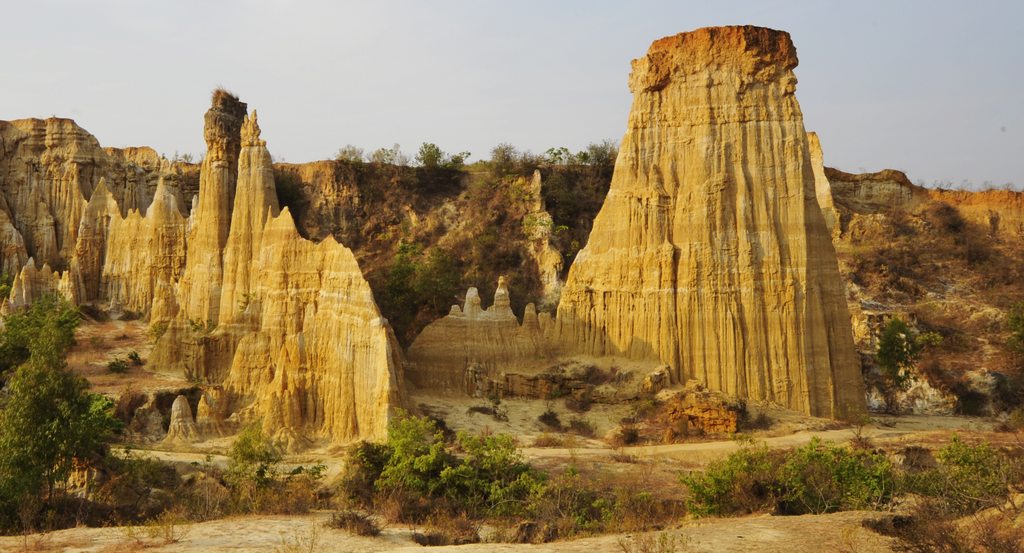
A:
x: 899, y: 349
x: 48, y: 419
x: 254, y: 459
x: 46, y: 329
x: 418, y: 457
x: 390, y: 156
x: 430, y: 156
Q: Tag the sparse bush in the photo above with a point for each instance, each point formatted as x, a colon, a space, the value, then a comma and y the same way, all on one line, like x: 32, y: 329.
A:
x: 157, y: 329
x: 548, y: 440
x: 135, y: 358
x: 899, y: 349
x: 252, y: 467
x: 355, y: 522
x: 350, y: 154
x: 931, y: 527
x: 118, y: 365
x: 968, y: 477
x: 582, y: 427
x: 550, y: 419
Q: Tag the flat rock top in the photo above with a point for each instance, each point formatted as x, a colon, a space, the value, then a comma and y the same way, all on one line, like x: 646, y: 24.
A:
x: 758, y: 52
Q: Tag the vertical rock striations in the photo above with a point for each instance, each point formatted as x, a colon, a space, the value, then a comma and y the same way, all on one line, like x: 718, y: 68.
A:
x: 146, y: 257
x: 199, y: 291
x: 491, y: 340
x: 710, y: 253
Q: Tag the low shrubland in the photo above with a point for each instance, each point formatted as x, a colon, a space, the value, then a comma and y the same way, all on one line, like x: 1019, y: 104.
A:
x: 417, y: 476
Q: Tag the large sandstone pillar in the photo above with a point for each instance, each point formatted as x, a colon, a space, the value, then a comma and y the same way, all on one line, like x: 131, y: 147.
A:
x: 200, y: 287
x: 710, y: 253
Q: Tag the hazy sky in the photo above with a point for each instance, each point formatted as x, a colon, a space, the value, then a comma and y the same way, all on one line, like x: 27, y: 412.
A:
x: 933, y: 88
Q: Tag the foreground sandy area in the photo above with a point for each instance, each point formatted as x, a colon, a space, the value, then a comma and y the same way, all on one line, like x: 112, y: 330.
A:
x: 840, y: 532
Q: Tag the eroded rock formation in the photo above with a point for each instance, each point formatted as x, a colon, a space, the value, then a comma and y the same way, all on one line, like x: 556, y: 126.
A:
x: 487, y: 340
x: 182, y: 427
x: 301, y: 343
x: 199, y: 291
x: 710, y: 253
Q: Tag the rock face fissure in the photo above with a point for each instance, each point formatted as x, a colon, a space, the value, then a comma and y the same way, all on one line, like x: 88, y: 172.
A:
x: 471, y: 337
x: 710, y: 253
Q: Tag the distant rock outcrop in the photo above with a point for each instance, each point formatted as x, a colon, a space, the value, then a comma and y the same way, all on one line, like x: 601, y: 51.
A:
x: 487, y: 340
x: 710, y: 253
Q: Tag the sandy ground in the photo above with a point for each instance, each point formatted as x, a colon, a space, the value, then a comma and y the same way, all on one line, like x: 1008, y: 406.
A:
x: 836, y: 533
x: 98, y: 343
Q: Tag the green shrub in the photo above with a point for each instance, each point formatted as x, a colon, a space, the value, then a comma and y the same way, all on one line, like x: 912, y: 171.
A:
x: 969, y: 477
x: 816, y: 478
x: 744, y: 482
x: 136, y: 359
x: 20, y: 337
x: 491, y: 477
x: 48, y: 423
x: 253, y: 457
x: 825, y: 478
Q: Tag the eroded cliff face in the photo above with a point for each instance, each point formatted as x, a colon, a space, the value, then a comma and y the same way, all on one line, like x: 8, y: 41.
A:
x: 944, y: 261
x: 145, y: 258
x: 710, y: 253
x: 50, y: 169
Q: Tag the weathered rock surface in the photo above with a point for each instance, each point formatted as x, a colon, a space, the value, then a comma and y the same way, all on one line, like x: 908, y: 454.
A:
x: 210, y: 222
x: 487, y: 340
x: 538, y: 226
x: 145, y: 258
x: 710, y: 253
x: 50, y: 169
x: 697, y: 410
x: 822, y: 186
x: 182, y: 427
x: 301, y: 344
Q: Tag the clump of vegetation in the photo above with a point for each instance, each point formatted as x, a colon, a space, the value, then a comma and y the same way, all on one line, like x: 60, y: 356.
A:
x: 817, y: 478
x: 415, y: 278
x: 416, y: 476
x: 157, y: 330
x: 899, y: 350
x: 582, y: 427
x: 358, y: 523
x: 432, y: 157
x: 118, y: 365
x: 48, y: 418
x: 968, y: 477
x: 135, y: 358
x: 550, y: 419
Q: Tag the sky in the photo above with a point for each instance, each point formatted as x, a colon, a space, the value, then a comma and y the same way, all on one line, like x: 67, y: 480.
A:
x: 933, y: 88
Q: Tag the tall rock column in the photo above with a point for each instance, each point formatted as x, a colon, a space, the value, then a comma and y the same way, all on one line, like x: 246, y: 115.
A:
x: 200, y: 287
x: 255, y: 202
x: 710, y: 253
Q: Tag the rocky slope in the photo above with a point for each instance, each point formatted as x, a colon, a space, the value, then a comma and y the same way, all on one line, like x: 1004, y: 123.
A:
x: 946, y: 261
x: 710, y: 253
